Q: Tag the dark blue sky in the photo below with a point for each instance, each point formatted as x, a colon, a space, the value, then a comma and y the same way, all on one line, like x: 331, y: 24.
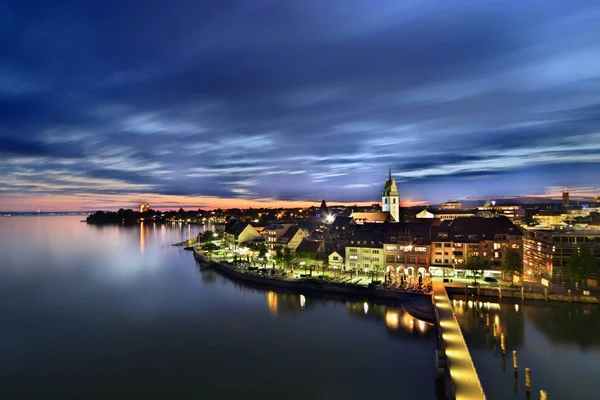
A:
x: 187, y: 102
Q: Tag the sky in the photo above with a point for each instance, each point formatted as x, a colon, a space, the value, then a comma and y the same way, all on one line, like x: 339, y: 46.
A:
x: 108, y: 104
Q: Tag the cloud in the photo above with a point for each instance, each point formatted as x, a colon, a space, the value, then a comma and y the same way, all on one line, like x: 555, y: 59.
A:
x: 298, y: 100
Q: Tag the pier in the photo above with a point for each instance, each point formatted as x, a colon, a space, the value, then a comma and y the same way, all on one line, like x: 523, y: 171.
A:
x: 461, y: 369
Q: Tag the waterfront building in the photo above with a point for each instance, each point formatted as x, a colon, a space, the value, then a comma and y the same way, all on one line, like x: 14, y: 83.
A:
x: 451, y: 205
x: 364, y: 249
x: 407, y: 247
x: 336, y: 260
x: 546, y: 252
x: 292, y: 237
x: 239, y: 232
x: 487, y: 238
x: 444, y: 215
x: 274, y: 232
x: 390, y: 199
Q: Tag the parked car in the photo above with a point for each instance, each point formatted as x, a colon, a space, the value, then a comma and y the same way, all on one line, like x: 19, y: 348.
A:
x: 490, y: 279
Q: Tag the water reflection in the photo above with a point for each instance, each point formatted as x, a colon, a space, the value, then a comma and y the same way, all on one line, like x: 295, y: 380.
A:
x: 77, y: 297
x: 142, y: 239
x: 553, y: 339
x: 394, y: 318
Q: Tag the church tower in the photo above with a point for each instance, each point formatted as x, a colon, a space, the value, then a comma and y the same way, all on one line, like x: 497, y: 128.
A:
x: 390, y: 202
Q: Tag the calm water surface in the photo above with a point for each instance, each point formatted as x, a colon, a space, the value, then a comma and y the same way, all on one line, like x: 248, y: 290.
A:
x: 111, y: 312
x: 559, y: 342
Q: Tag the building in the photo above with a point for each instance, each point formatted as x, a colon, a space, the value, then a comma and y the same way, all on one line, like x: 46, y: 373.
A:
x: 407, y: 247
x: 370, y: 217
x: 444, y: 215
x: 565, y: 198
x: 324, y: 209
x: 550, y: 218
x: 390, y: 200
x: 364, y: 249
x: 308, y: 246
x: 451, y: 205
x: 487, y: 238
x: 336, y: 261
x: 546, y: 252
x: 238, y: 232
x: 292, y: 237
x: 273, y: 233
x: 144, y: 208
x: 512, y: 212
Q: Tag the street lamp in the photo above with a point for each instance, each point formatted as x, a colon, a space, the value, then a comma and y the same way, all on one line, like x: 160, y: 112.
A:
x: 330, y: 218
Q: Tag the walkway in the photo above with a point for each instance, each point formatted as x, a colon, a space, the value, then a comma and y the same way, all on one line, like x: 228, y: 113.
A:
x: 463, y: 373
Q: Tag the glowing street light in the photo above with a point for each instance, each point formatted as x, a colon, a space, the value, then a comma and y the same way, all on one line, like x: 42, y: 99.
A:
x: 330, y: 218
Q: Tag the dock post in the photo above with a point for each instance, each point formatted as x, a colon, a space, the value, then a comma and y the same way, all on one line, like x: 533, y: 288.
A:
x: 495, y: 331
x: 528, y: 379
x: 487, y: 321
x: 502, y: 344
x: 543, y: 395
x: 515, y: 362
x: 522, y: 292
x: 546, y: 293
x: 500, y: 292
x: 569, y: 295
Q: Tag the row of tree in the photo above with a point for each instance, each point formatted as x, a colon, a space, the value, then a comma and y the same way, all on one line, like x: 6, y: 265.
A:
x: 580, y: 267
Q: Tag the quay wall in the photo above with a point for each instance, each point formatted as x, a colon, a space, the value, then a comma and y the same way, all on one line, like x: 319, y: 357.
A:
x: 527, y: 295
x: 419, y: 305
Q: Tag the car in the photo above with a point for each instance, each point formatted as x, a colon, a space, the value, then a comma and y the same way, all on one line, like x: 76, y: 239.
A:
x: 490, y: 279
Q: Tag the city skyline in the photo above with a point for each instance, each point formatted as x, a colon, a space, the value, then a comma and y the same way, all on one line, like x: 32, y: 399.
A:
x: 274, y: 104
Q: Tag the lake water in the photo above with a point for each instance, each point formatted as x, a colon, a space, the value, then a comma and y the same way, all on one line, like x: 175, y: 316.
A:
x: 559, y: 342
x: 113, y: 312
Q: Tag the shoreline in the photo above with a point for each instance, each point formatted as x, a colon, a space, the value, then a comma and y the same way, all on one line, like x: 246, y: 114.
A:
x: 526, y: 297
x: 419, y: 305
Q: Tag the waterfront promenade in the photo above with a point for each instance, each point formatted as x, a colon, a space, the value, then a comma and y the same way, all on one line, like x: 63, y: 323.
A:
x: 462, y: 371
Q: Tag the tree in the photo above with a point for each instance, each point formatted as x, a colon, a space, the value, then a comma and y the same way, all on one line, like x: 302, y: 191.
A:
x: 474, y: 264
x: 324, y: 266
x: 582, y: 265
x: 210, y: 248
x: 278, y: 257
x: 512, y: 264
x: 262, y: 252
x: 376, y: 271
x: 288, y: 257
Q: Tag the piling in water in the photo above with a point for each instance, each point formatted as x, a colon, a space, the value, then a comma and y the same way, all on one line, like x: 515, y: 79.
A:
x: 515, y: 362
x: 487, y: 321
x: 502, y: 343
x: 543, y: 395
x: 495, y: 330
x: 528, y: 379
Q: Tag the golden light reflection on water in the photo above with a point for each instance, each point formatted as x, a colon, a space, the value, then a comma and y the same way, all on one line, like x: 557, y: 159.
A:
x: 142, y: 239
x: 392, y: 319
x: 272, y: 302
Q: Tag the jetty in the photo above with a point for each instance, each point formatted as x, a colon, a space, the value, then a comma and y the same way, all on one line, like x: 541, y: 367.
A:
x: 459, y: 363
